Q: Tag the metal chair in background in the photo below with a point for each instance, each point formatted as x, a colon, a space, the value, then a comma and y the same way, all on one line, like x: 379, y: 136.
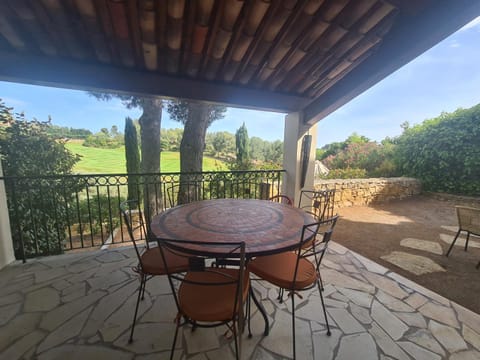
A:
x: 468, y: 221
x: 299, y: 270
x: 319, y: 203
x: 207, y: 295
x: 150, y: 261
x: 185, y: 192
x: 283, y: 199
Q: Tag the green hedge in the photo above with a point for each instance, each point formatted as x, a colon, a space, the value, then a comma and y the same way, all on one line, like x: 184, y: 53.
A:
x: 444, y: 152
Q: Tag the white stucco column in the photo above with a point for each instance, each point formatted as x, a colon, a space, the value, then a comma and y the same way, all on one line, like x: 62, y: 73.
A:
x: 295, y: 130
x: 6, y: 245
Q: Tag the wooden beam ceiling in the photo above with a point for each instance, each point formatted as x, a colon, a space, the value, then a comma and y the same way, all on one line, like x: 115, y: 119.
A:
x: 38, y: 70
x: 280, y: 55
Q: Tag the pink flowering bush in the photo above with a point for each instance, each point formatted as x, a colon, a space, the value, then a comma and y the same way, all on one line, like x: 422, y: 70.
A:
x: 360, y: 160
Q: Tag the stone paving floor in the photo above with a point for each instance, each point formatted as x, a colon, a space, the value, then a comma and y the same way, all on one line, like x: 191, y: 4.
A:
x: 420, y: 264
x: 80, y: 306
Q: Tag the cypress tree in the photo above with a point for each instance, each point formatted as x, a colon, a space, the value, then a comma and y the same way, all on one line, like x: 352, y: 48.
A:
x: 242, y: 145
x: 132, y: 155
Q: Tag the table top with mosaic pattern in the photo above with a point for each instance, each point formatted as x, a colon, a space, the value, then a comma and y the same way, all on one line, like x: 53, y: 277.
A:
x: 266, y: 227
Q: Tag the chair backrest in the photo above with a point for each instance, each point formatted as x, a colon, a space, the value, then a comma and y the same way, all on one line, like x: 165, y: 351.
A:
x: 185, y: 192
x: 318, y: 203
x: 133, y: 219
x: 314, y: 242
x: 468, y: 219
x: 202, y: 257
x: 284, y: 199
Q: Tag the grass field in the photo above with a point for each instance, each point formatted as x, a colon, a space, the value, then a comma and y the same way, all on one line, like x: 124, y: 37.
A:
x: 109, y: 161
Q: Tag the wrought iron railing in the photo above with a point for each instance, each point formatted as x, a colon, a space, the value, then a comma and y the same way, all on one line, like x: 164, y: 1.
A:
x: 53, y: 214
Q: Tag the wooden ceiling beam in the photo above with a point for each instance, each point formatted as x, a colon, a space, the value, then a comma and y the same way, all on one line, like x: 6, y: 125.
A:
x: 106, y: 23
x: 88, y: 14
x: 27, y: 16
x: 397, y: 50
x: 39, y: 70
x: 62, y: 23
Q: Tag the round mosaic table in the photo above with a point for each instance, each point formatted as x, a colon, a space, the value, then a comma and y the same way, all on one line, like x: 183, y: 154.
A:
x: 266, y: 227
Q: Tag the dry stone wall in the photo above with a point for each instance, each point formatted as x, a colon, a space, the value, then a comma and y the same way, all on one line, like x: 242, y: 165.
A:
x: 350, y: 192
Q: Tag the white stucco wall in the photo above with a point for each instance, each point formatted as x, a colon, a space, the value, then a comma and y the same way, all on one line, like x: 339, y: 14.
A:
x: 292, y: 149
x: 6, y: 245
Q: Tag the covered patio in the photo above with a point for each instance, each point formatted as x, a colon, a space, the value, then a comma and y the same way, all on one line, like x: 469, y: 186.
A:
x: 81, y: 306
x: 304, y: 58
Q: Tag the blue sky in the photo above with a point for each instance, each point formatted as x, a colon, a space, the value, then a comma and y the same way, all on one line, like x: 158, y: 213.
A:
x: 444, y: 78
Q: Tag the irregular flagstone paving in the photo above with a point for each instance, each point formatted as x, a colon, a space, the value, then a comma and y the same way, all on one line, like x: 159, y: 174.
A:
x: 415, y: 264
x: 80, y: 306
x: 424, y: 245
x: 447, y: 238
x: 421, y: 265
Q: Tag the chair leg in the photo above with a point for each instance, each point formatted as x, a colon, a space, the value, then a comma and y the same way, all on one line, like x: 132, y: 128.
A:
x: 140, y: 290
x: 249, y: 314
x: 293, y: 325
x: 144, y: 286
x: 262, y: 311
x: 466, y: 241
x: 324, y: 309
x: 174, y: 339
x: 453, y: 242
x: 235, y: 333
x: 280, y: 295
x: 321, y: 282
x: 478, y: 265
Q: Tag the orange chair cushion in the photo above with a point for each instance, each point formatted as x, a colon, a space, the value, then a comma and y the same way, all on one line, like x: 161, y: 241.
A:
x: 208, y: 302
x: 152, y: 262
x: 279, y: 270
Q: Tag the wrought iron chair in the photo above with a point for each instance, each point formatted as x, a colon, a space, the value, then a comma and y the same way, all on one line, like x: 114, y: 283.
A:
x: 208, y: 295
x: 318, y: 203
x: 321, y: 205
x: 192, y: 191
x: 284, y: 199
x: 150, y: 261
x: 468, y: 221
x: 299, y: 270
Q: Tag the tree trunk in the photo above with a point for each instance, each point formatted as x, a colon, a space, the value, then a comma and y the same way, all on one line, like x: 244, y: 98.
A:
x: 191, y: 151
x: 150, y: 123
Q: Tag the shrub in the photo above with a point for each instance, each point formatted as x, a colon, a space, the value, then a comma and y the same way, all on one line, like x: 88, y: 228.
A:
x: 36, y: 213
x: 374, y: 159
x: 349, y: 173
x: 94, y: 214
x: 102, y: 141
x: 444, y: 152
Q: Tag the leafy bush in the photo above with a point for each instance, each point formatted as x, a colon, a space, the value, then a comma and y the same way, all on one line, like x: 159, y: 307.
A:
x: 102, y: 141
x: 444, y: 152
x: 171, y: 139
x: 56, y: 131
x: 94, y: 214
x: 105, y: 139
x: 35, y: 204
x: 349, y: 173
x: 374, y: 159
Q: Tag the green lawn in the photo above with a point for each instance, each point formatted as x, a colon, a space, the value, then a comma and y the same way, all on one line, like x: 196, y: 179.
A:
x: 109, y: 161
